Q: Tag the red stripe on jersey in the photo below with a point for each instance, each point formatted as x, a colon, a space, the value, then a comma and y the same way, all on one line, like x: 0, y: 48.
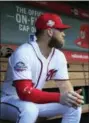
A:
x: 26, y: 91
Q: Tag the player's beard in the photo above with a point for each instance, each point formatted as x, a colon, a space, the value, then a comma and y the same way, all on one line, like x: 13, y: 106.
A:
x: 54, y: 42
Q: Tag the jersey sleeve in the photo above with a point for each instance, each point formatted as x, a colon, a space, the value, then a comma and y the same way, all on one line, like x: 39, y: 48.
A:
x: 21, y: 66
x: 62, y: 71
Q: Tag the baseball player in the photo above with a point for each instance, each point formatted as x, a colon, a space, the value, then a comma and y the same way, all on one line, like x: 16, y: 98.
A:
x: 29, y: 67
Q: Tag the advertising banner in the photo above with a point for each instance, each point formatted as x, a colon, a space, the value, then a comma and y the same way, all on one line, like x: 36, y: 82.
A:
x: 17, y: 23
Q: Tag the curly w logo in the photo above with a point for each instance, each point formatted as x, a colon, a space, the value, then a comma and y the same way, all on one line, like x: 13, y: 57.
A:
x: 50, y: 74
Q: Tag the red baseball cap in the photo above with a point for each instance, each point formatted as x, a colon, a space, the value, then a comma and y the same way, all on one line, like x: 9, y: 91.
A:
x: 50, y: 20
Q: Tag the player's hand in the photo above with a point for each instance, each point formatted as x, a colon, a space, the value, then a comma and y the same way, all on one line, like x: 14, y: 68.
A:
x: 72, y: 99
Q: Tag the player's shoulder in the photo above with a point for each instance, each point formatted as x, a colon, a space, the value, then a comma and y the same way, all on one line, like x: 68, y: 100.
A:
x: 23, y: 49
x: 60, y: 55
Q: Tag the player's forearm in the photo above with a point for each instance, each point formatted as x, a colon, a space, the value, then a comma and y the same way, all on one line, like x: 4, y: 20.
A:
x: 38, y: 96
x: 26, y: 92
x: 65, y: 86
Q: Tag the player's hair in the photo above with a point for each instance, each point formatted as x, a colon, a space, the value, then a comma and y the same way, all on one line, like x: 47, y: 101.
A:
x: 38, y: 33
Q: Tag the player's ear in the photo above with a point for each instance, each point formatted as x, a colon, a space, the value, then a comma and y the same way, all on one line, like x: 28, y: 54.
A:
x: 50, y: 32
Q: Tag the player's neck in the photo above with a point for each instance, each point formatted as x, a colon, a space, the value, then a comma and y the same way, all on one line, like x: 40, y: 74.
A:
x: 45, y: 50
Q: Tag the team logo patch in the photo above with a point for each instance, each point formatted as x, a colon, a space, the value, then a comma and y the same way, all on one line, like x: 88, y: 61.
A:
x: 51, y: 73
x: 20, y: 66
x: 50, y: 23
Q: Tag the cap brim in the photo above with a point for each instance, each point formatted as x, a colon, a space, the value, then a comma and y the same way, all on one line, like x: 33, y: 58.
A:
x: 84, y: 44
x: 77, y: 40
x: 64, y: 26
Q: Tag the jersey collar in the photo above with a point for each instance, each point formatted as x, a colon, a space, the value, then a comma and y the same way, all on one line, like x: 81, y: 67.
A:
x: 36, y: 48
